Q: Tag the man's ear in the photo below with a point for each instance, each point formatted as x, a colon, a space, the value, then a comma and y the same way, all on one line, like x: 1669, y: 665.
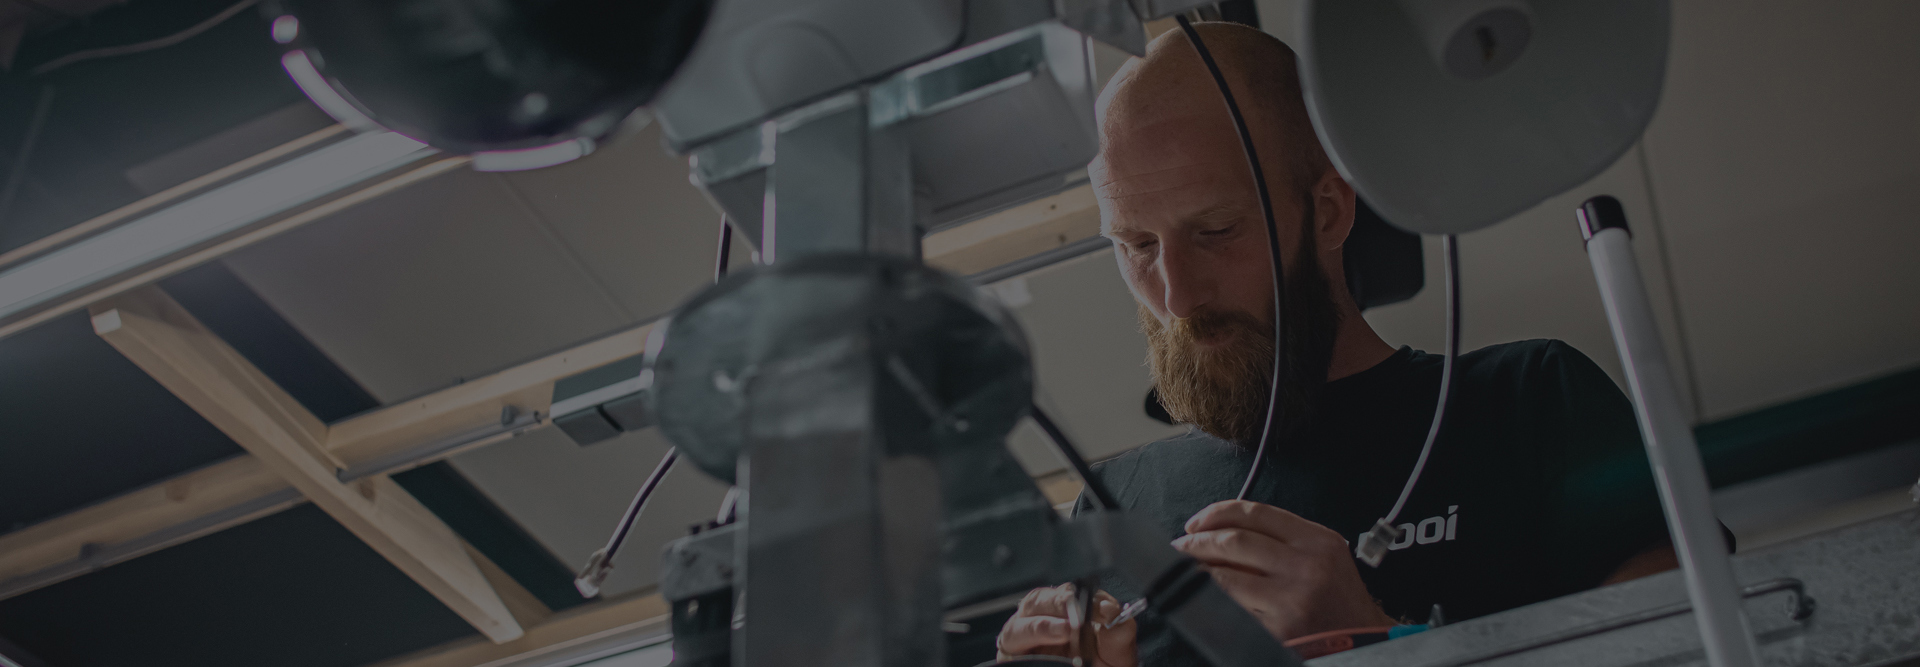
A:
x: 1333, y: 207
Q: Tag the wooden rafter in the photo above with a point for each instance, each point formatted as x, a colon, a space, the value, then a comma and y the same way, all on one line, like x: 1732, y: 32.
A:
x: 160, y: 515
x: 163, y: 339
x: 995, y: 240
x: 1016, y: 233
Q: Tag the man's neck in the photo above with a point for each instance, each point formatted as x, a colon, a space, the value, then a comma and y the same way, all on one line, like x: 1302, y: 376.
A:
x: 1356, y: 347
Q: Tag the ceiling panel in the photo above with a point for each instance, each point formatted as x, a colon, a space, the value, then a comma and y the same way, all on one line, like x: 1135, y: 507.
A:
x: 632, y: 216
x: 448, y: 279
x: 570, y: 497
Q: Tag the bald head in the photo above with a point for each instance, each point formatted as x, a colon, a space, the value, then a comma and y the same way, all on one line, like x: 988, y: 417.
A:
x: 1171, y: 86
x: 1191, y: 238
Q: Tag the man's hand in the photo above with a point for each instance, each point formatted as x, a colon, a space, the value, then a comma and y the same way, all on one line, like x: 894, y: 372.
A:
x: 1294, y: 575
x: 1040, y: 628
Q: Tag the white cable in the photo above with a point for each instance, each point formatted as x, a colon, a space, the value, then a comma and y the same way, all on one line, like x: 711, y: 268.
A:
x: 1451, y: 256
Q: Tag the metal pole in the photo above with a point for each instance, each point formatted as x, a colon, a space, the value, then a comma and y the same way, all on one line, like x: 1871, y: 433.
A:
x: 1677, y: 470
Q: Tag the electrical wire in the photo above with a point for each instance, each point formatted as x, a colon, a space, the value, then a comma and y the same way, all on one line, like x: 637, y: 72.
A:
x: 1450, y: 252
x: 729, y: 506
x: 602, y: 561
x: 640, y: 501
x: 1096, y: 490
x: 149, y: 45
x: 1273, y: 249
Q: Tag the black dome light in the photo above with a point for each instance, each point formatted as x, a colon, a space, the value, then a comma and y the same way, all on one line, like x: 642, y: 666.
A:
x: 533, y: 81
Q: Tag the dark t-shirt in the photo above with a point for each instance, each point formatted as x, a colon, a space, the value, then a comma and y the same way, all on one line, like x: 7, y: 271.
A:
x: 1537, y: 487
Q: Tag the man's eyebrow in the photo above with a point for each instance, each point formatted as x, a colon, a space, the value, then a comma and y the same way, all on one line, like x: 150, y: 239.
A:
x: 1211, y: 215
x: 1217, y: 213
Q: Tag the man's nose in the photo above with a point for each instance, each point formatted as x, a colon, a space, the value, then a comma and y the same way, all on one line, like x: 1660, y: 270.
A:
x: 1188, y: 282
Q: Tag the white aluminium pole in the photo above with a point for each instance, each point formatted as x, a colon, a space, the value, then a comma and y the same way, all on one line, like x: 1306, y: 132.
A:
x: 1677, y: 470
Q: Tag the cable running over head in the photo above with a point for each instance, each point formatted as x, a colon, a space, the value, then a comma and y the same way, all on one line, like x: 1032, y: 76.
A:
x: 1273, y: 248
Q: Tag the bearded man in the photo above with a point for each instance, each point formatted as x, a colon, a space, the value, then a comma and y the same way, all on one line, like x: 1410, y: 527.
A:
x: 1537, y: 487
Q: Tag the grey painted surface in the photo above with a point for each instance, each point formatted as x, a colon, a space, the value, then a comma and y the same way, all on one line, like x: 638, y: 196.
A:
x: 569, y: 497
x: 468, y: 273
x: 413, y: 292
x: 1529, y: 277
x: 1784, y: 156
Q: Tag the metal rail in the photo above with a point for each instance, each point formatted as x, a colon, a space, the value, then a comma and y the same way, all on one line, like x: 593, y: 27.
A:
x: 1799, y: 609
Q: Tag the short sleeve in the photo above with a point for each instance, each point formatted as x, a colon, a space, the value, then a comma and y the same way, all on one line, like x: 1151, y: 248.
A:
x: 1607, y: 508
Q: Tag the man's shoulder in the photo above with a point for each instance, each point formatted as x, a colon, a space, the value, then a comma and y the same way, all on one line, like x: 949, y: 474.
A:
x: 1539, y: 364
x: 1184, y: 460
x: 1531, y: 356
x: 1166, y: 451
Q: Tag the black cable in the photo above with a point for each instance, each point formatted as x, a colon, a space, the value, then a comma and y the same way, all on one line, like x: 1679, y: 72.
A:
x: 1273, y: 248
x: 728, y: 506
x: 604, y: 559
x: 1102, y: 499
x: 726, y: 250
x: 719, y: 272
x: 640, y: 501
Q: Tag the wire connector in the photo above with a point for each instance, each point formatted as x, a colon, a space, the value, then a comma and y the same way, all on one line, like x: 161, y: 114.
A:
x: 1373, y: 545
x: 594, y: 574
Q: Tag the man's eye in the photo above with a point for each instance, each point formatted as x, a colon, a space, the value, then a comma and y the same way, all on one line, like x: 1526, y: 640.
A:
x: 1142, y: 245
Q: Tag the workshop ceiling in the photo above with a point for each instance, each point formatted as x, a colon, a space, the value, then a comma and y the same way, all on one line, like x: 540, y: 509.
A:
x: 468, y: 273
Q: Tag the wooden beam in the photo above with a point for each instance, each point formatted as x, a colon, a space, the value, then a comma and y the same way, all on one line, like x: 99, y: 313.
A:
x: 474, y: 404
x: 565, y: 630
x: 1016, y: 233
x: 163, y: 339
x: 139, y: 522
x: 997, y: 239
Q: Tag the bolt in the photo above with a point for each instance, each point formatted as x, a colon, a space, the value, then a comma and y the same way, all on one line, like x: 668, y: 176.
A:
x: 693, y: 607
x: 533, y: 105
x: 1002, y: 555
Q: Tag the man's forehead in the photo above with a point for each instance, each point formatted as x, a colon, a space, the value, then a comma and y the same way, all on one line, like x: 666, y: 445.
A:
x: 1165, y: 152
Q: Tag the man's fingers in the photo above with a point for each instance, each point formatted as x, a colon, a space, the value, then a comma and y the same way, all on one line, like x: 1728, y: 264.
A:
x: 1260, y: 518
x: 1037, y: 634
x: 1117, y: 644
x: 1051, y: 601
x: 1237, y: 548
x: 1105, y: 608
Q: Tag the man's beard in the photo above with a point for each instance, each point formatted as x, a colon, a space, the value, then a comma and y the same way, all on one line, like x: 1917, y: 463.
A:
x: 1223, y: 388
